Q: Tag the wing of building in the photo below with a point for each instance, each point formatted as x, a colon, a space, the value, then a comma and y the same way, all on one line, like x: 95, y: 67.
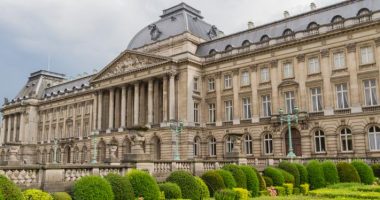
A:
x: 182, y: 90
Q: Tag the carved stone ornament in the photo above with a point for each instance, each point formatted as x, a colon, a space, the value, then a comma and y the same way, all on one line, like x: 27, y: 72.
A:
x: 274, y: 63
x: 351, y: 47
x: 301, y: 58
x: 377, y: 42
x: 325, y: 53
x: 154, y: 32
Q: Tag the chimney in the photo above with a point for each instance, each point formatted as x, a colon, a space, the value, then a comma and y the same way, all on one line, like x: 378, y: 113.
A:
x: 286, y: 14
x: 251, y: 25
x: 313, y: 6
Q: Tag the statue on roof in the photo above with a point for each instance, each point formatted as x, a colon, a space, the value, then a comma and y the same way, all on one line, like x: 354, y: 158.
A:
x: 154, y: 32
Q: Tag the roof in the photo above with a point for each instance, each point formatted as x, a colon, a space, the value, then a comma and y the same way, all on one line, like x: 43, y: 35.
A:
x: 346, y: 9
x: 68, y: 86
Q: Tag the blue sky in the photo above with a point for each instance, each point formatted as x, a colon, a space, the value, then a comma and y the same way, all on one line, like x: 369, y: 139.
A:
x: 82, y: 35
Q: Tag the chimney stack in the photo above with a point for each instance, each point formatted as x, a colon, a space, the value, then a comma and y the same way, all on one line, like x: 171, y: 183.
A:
x: 251, y: 25
x: 286, y: 14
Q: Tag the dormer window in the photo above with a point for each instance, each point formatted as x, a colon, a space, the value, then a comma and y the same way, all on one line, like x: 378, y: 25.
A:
x: 288, y: 34
x: 312, y: 28
x: 245, y: 43
x: 337, y: 22
x: 212, y: 52
x: 228, y: 48
x: 264, y: 38
x: 364, y: 15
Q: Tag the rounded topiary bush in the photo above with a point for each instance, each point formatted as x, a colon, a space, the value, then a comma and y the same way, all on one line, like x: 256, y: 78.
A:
x: 121, y: 187
x: 330, y: 173
x: 252, y: 180
x: 365, y: 172
x: 143, y: 184
x: 268, y: 181
x: 213, y: 181
x: 238, y: 174
x: 205, y: 194
x: 228, y: 179
x: 187, y: 183
x: 288, y: 178
x: 276, y: 176
x: 92, y: 187
x: 315, y: 173
x: 376, y: 169
x: 303, y: 173
x: 262, y: 184
x: 292, y: 169
x: 347, y: 173
x: 61, y: 196
x: 9, y: 189
x: 37, y: 194
x: 171, y: 190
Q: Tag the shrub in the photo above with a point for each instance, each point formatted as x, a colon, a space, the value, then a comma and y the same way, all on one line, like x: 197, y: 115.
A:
x: 262, y: 184
x: 61, y: 196
x: 1, y: 196
x: 288, y: 188
x: 268, y: 181
x: 162, y: 196
x: 9, y: 189
x: 330, y: 173
x: 365, y: 172
x: 376, y: 169
x: 303, y: 173
x: 238, y: 174
x: 225, y: 194
x: 228, y: 179
x: 296, y: 191
x: 252, y: 180
x: 280, y: 190
x: 241, y: 193
x: 121, y: 187
x: 92, y: 187
x: 276, y: 176
x: 36, y: 194
x: 344, y: 194
x: 205, y: 194
x: 304, y: 188
x: 292, y: 169
x: 171, y: 190
x: 287, y: 176
x: 347, y: 173
x: 143, y: 184
x: 213, y: 181
x: 315, y: 172
x: 187, y: 183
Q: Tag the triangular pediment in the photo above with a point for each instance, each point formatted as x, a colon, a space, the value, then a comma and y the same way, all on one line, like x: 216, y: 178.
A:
x: 129, y: 61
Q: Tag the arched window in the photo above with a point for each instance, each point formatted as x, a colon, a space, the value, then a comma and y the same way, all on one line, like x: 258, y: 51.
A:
x: 313, y: 28
x: 268, y: 144
x: 101, y: 154
x: 67, y: 154
x: 248, y: 144
x: 264, y: 38
x: 337, y: 22
x: 84, y: 155
x: 229, y: 144
x: 228, y: 48
x: 245, y: 43
x: 374, y: 138
x: 319, y: 141
x: 364, y: 15
x: 126, y: 146
x: 212, y: 146
x: 51, y: 155
x: 288, y: 34
x: 212, y: 52
x: 346, y: 139
x: 58, y: 155
x: 76, y: 155
x: 197, y: 146
x: 44, y: 157
x: 155, y: 148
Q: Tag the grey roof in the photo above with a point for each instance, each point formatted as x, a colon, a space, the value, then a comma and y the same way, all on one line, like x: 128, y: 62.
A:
x: 68, y: 86
x: 346, y: 9
x: 174, y: 21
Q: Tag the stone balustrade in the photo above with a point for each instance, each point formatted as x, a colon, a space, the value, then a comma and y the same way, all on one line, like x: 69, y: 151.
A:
x: 22, y: 177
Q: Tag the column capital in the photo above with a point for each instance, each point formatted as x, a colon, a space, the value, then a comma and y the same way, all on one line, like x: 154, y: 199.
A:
x: 377, y: 42
x: 301, y: 58
x: 254, y: 67
x: 172, y: 73
x: 218, y: 75
x: 351, y: 47
x: 274, y: 63
x: 325, y: 53
x: 235, y: 71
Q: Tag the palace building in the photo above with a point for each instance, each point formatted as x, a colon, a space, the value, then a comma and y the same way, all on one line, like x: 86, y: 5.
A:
x: 221, y: 92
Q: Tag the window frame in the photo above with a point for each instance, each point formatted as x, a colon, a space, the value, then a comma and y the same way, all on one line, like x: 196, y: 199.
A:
x: 338, y: 92
x: 211, y: 84
x: 228, y: 110
x: 211, y: 113
x: 374, y: 100
x: 346, y: 138
x: 266, y: 105
x: 246, y: 107
x: 196, y: 112
x: 316, y: 65
x: 287, y: 70
x: 319, y: 144
x: 212, y: 147
x: 227, y: 79
x: 370, y: 57
x: 292, y: 101
x: 376, y: 134
x: 264, y: 75
x: 229, y: 144
x: 245, y: 80
x: 268, y: 141
x: 318, y: 97
x: 342, y: 59
x: 248, y: 145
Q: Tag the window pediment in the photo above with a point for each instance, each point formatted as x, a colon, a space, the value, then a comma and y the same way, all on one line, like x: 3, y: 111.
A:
x: 288, y: 83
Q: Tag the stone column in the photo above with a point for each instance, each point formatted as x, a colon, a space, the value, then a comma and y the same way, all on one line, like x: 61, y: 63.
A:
x: 50, y: 125
x: 129, y: 107
x: 274, y: 80
x: 354, y: 87
x: 156, y: 103
x: 218, y: 90
x: 172, y: 96
x: 142, y: 104
x: 255, y: 102
x: 2, y: 134
x: 327, y: 89
x: 165, y: 99
x: 150, y: 102
x: 22, y: 127
x: 111, y: 110
x: 93, y: 113
x: 236, y: 101
x: 300, y: 77
x: 15, y: 127
x: 82, y: 120
x: 100, y: 102
x: 136, y: 106
x: 9, y: 119
x: 123, y: 107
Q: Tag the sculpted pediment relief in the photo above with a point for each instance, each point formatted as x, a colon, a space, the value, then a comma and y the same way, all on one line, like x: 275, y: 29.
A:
x: 129, y: 61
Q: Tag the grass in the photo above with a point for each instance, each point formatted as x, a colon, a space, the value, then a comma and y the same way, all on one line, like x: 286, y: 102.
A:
x: 299, y: 197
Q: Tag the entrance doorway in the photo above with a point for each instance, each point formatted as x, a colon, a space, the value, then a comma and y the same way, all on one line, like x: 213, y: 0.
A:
x: 296, y: 141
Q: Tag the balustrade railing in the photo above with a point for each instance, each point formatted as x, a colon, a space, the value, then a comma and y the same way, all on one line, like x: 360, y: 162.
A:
x: 21, y: 176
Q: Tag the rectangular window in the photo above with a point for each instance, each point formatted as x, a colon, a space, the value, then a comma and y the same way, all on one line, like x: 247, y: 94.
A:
x: 313, y: 65
x: 195, y: 84
x: 246, y: 108
x: 342, y: 96
x: 288, y: 70
x: 211, y: 84
x: 264, y: 73
x: 196, y: 112
x: 339, y: 60
x: 290, y: 101
x: 245, y: 78
x: 370, y: 92
x: 316, y: 99
x: 211, y: 112
x: 227, y: 81
x: 366, y: 55
x: 266, y: 105
x: 228, y: 110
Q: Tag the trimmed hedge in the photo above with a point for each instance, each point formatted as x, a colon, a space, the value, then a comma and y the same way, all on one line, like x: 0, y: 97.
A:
x: 143, y: 184
x: 292, y: 169
x: 365, y: 172
x: 121, y: 187
x: 347, y: 173
x: 187, y: 183
x: 61, y: 196
x: 92, y: 187
x: 330, y: 172
x: 9, y: 189
x: 262, y: 184
x: 376, y: 169
x: 1, y: 196
x: 303, y: 173
x: 171, y: 190
x: 205, y: 194
x: 252, y: 180
x: 316, y: 177
x: 268, y: 181
x: 287, y: 176
x: 288, y: 188
x: 225, y: 194
x: 213, y: 181
x: 228, y: 179
x: 304, y: 188
x: 276, y: 176
x: 280, y: 190
x: 241, y: 193
x: 36, y: 194
x: 238, y: 174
